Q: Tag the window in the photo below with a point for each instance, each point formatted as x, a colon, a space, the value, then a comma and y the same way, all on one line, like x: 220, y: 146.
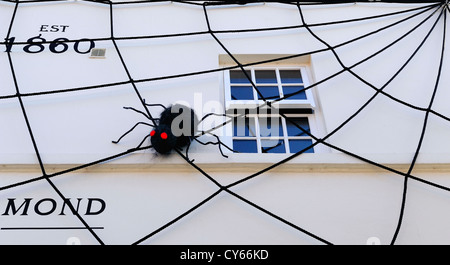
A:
x: 271, y: 134
x: 285, y: 86
x: 283, y: 132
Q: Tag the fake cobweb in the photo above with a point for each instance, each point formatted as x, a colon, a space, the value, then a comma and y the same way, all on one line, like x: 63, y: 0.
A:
x: 139, y: 87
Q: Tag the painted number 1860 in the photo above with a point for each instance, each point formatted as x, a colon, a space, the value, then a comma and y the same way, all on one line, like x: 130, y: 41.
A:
x: 59, y: 45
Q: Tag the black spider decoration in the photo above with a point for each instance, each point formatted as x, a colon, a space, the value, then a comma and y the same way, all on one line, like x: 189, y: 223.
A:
x: 171, y: 131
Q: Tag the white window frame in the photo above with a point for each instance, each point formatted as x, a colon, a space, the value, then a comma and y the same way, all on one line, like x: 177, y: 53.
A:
x: 309, y: 106
x: 308, y: 103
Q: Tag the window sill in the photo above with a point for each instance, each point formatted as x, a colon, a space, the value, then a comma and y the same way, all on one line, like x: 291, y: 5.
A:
x: 252, y: 104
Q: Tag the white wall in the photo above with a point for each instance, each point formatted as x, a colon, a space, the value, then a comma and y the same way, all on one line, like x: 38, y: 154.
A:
x: 335, y: 196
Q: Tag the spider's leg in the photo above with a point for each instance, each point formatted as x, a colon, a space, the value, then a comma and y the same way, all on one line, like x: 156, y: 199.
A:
x: 130, y: 130
x: 142, y: 142
x: 219, y: 143
x: 186, y: 156
x: 214, y: 114
x: 140, y: 148
x: 138, y: 111
x: 187, y: 151
x: 153, y: 105
x: 214, y: 143
x: 217, y: 126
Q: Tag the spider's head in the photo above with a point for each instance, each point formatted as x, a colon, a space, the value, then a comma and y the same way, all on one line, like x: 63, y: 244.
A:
x: 162, y: 139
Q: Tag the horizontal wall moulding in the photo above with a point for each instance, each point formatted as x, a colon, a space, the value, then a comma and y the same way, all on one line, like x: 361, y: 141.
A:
x: 230, y: 168
x: 214, y: 162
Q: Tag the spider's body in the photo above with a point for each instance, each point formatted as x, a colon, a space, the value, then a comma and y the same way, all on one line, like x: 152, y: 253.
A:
x: 171, y: 131
x: 175, y: 129
x: 162, y: 139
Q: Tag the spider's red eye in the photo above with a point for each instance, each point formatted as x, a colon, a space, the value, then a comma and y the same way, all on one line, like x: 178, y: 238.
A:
x: 152, y: 133
x: 164, y: 136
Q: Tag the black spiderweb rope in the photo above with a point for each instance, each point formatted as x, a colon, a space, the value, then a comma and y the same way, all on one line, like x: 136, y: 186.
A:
x: 437, y: 9
x: 25, y: 116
